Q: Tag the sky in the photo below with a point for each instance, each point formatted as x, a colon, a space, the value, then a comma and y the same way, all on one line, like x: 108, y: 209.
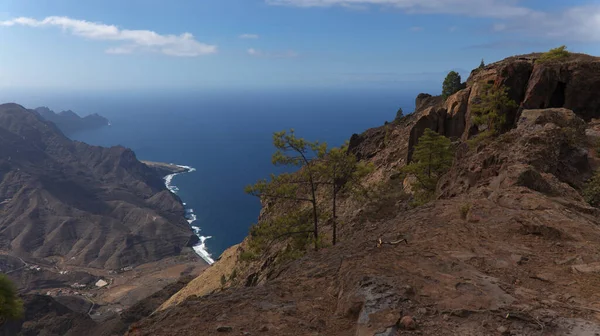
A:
x: 75, y: 45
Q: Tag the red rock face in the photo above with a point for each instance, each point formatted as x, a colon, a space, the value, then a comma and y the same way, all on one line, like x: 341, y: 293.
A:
x: 573, y: 84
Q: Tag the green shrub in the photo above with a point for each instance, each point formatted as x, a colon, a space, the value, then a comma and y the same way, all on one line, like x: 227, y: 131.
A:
x: 479, y: 139
x: 464, y: 210
x: 555, y: 54
x: 591, y: 192
x: 491, y: 106
x: 247, y: 256
x: 11, y: 307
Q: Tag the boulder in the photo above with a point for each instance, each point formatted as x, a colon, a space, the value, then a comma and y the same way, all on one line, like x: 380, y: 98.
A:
x: 425, y: 100
x: 560, y: 117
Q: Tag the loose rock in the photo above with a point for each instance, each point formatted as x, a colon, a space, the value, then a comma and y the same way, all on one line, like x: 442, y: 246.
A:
x: 408, y: 323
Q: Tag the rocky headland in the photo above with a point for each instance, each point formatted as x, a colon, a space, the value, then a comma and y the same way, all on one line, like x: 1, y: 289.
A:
x: 70, y: 122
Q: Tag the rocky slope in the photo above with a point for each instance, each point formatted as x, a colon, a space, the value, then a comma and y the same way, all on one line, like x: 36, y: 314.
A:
x: 69, y: 122
x: 71, y: 204
x: 508, y: 248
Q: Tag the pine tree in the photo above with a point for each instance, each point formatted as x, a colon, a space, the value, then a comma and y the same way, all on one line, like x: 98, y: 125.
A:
x: 452, y: 84
x: 292, y: 152
x: 491, y: 106
x: 432, y: 157
x: 11, y: 307
x: 399, y: 114
x: 341, y: 171
x: 482, y: 64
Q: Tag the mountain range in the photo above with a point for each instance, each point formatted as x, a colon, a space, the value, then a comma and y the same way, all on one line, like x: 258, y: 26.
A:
x: 69, y: 122
x: 78, y: 204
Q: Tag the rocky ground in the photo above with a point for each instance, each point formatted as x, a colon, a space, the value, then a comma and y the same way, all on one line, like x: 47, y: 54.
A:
x: 508, y: 248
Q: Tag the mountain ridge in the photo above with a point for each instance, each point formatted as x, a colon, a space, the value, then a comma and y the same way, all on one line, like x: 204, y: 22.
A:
x: 70, y: 122
x: 66, y: 185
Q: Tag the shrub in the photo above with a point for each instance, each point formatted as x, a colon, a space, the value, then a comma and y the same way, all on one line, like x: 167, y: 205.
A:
x: 481, y: 138
x: 555, y: 54
x: 464, y: 210
x: 247, y: 256
x: 490, y: 107
x: 591, y: 192
x: 11, y: 307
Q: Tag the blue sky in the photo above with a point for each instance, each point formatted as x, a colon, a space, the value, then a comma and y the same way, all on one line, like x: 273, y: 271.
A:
x: 198, y: 44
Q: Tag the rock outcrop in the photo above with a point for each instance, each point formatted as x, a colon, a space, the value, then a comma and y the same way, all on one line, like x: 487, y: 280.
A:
x: 69, y: 122
x: 68, y: 202
x: 572, y: 83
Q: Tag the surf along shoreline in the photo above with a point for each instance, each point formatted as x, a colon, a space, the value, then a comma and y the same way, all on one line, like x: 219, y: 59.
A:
x: 170, y: 170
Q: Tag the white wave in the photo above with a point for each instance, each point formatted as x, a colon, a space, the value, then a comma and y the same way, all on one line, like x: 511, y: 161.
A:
x: 200, y: 248
x: 191, y: 217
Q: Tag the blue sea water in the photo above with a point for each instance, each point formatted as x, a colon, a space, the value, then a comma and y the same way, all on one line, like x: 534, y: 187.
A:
x: 226, y: 137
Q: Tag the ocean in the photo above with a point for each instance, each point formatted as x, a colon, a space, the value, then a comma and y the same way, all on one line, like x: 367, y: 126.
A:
x: 225, y: 140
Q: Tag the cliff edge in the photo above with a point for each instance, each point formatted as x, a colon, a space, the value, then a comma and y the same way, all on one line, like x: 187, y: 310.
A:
x: 508, y: 247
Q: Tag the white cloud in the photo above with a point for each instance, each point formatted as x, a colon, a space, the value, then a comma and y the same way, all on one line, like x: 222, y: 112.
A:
x: 136, y: 40
x: 259, y: 53
x: 249, y: 36
x: 580, y: 23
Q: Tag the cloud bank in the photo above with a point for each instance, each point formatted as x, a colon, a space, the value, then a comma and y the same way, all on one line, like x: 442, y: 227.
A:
x: 184, y: 45
x: 575, y: 23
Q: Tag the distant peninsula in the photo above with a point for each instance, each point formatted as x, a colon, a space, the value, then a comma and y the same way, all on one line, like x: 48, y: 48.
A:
x: 70, y: 122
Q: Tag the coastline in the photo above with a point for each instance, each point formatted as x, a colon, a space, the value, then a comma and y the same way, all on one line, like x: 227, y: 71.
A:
x: 169, y: 171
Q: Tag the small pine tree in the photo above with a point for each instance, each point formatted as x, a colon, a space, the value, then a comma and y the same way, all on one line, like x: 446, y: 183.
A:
x: 490, y: 107
x: 399, y: 114
x: 432, y: 158
x: 452, y: 84
x: 341, y: 170
x: 11, y: 307
x: 482, y: 64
